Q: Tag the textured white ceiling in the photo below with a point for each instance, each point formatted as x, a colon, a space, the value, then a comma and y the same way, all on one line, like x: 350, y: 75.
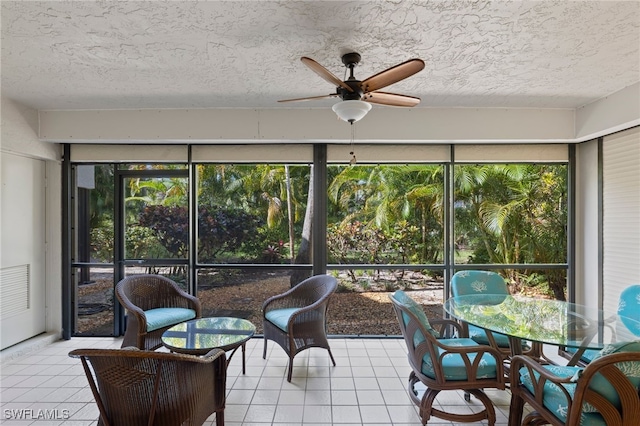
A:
x: 79, y: 55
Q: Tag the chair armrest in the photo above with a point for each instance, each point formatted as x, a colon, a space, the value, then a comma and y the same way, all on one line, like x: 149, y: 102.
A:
x: 538, y: 380
x: 138, y: 313
x: 469, y: 349
x: 212, y: 355
x: 519, y: 361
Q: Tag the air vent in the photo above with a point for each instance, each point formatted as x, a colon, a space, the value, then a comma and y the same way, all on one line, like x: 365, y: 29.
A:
x: 14, y: 291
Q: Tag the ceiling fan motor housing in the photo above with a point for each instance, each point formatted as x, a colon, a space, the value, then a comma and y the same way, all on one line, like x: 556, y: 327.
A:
x: 346, y: 95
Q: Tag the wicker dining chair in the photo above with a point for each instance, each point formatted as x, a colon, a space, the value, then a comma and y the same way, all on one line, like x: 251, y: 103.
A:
x: 297, y: 319
x: 154, y: 304
x: 605, y: 392
x: 133, y: 387
x: 442, y: 364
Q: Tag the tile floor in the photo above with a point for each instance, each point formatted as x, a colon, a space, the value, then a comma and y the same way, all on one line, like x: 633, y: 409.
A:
x: 367, y: 387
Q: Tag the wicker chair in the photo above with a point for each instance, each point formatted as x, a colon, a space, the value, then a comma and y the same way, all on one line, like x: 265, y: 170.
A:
x: 133, y: 387
x: 297, y: 319
x: 154, y: 304
x: 445, y: 363
x: 605, y: 392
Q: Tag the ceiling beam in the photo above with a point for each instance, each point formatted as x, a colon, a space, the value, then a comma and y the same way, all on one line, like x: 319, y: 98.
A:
x: 616, y: 112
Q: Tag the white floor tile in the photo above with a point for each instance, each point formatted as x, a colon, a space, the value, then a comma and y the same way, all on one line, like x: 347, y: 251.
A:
x: 367, y: 387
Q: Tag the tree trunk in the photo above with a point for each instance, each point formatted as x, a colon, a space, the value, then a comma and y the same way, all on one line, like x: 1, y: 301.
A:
x: 289, y: 212
x: 304, y: 251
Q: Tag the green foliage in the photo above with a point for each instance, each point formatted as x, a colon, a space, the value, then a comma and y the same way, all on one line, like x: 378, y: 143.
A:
x: 514, y: 213
x: 377, y: 214
x: 170, y: 225
x: 270, y: 242
x: 142, y: 242
x: 223, y: 231
x: 345, y: 287
x: 102, y: 243
x: 389, y: 286
x: 362, y: 243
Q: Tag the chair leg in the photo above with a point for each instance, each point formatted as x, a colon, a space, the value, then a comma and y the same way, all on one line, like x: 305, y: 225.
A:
x: 290, y: 369
x: 426, y: 405
x: 220, y: 418
x: 516, y: 409
x: 264, y: 351
x: 331, y: 356
x: 534, y: 419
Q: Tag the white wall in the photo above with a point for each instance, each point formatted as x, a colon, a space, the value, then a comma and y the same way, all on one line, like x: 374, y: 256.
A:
x: 381, y: 125
x: 19, y: 137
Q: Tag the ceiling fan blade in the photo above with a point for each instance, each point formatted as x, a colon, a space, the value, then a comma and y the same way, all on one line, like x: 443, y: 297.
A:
x: 393, y: 99
x: 311, y: 98
x: 325, y: 73
x: 392, y: 75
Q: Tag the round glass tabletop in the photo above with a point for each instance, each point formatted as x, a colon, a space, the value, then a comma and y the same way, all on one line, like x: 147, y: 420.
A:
x: 199, y: 336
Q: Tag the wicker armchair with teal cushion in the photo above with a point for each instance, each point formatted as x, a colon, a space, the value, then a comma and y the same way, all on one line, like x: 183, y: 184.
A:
x: 486, y: 282
x: 628, y: 308
x: 605, y: 392
x: 442, y: 364
x: 141, y: 388
x: 297, y: 319
x: 154, y: 304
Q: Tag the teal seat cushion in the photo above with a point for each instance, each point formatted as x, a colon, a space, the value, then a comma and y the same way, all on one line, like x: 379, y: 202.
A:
x: 453, y: 364
x: 587, y: 356
x: 480, y: 336
x: 555, y: 400
x: 280, y: 317
x: 163, y: 317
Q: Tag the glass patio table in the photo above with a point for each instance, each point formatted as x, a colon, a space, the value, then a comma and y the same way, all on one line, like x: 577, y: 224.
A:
x: 199, y: 336
x: 546, y: 321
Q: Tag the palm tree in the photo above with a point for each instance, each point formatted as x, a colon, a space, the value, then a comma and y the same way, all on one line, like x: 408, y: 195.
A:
x: 518, y: 212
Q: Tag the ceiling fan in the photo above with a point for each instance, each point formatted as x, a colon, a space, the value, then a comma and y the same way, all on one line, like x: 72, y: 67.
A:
x: 353, y: 91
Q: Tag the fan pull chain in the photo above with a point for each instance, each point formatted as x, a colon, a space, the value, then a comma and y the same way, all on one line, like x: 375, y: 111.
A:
x: 352, y: 153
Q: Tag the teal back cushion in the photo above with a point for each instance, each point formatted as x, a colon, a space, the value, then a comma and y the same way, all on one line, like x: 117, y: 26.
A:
x: 477, y: 282
x: 629, y: 308
x: 411, y: 305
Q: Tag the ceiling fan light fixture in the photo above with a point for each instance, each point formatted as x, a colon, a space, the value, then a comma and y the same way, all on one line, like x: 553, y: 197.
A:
x: 351, y: 111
